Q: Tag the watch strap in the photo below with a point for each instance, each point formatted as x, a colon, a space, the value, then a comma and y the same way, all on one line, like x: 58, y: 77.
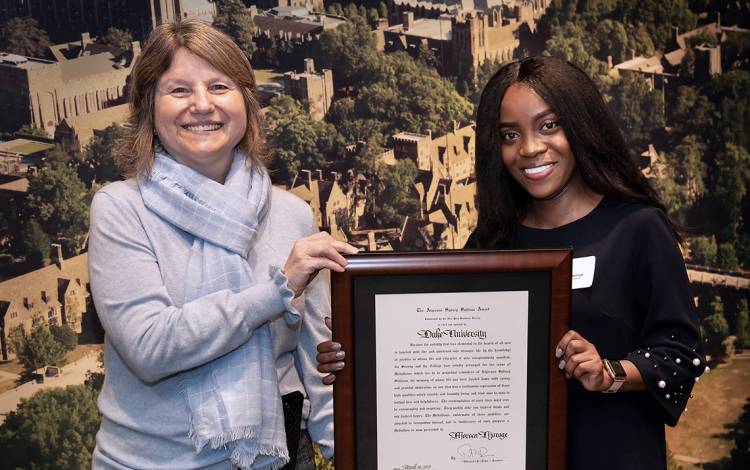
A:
x: 618, y: 374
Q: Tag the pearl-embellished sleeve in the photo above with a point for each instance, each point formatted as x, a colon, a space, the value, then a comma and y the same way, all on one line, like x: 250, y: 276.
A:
x: 670, y: 360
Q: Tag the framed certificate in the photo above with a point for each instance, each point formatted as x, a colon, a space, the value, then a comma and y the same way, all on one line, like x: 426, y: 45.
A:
x: 450, y: 360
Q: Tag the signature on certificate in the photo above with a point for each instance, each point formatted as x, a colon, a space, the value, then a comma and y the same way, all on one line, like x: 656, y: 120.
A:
x: 467, y: 451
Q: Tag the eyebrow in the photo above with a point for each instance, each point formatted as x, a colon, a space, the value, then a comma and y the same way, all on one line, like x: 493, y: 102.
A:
x: 187, y: 81
x: 535, y: 118
x: 171, y: 81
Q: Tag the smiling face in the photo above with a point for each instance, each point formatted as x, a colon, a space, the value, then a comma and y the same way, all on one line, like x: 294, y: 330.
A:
x: 535, y: 150
x: 199, y: 115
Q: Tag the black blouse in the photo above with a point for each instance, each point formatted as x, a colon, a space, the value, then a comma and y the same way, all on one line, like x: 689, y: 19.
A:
x: 639, y: 307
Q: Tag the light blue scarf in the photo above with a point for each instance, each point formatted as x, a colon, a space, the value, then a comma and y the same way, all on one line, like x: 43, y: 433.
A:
x: 233, y: 400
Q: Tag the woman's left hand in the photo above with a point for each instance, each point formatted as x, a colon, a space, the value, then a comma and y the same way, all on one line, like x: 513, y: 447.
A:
x: 581, y: 360
x: 311, y: 254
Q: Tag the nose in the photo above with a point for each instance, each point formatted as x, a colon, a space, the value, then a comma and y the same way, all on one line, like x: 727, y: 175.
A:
x: 532, y: 145
x: 202, y: 102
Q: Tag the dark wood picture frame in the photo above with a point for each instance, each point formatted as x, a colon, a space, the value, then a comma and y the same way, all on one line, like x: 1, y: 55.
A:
x: 354, y: 396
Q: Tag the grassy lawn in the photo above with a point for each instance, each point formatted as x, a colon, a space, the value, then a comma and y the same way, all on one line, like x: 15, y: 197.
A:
x: 14, y: 367
x: 7, y: 384
x: 82, y: 350
x: 717, y: 401
x: 267, y: 76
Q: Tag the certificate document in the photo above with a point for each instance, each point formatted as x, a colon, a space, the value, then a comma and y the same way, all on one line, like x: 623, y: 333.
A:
x: 451, y: 380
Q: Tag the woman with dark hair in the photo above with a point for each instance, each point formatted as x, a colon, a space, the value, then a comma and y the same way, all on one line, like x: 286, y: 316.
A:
x: 553, y: 170
x: 204, y: 277
x: 601, y: 153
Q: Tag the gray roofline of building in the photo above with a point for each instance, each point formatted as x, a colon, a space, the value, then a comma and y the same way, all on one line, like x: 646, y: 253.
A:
x: 426, y: 28
x: 410, y: 136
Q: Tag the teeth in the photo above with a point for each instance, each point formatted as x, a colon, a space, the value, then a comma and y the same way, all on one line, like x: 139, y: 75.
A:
x: 538, y: 169
x: 203, y: 127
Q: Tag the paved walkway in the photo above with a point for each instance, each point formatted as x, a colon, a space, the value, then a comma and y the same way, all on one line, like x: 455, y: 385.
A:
x: 718, y: 279
x: 688, y: 459
x: 74, y: 373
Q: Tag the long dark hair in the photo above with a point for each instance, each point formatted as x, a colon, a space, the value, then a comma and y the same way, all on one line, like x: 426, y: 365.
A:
x: 597, y: 143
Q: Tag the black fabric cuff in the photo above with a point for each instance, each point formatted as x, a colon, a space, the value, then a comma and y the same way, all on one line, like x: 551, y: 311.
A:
x: 669, y: 377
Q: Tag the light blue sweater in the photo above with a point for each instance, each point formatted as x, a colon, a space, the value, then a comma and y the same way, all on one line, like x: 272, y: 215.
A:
x: 137, y: 266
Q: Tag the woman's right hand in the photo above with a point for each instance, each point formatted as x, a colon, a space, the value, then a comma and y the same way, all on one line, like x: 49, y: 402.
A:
x: 330, y: 358
x: 580, y: 360
x: 311, y: 254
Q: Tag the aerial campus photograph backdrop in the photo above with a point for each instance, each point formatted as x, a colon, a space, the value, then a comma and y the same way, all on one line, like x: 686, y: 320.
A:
x: 369, y: 110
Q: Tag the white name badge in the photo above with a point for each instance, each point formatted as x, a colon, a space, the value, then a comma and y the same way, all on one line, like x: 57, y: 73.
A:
x: 583, y: 272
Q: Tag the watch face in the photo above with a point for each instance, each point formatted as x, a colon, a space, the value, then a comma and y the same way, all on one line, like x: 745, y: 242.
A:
x: 618, y: 369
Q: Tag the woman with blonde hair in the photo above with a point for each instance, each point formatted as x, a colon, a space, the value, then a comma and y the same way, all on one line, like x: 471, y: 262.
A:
x: 204, y: 276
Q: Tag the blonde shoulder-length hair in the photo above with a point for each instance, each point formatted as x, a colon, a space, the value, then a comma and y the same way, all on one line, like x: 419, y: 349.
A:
x: 136, y: 154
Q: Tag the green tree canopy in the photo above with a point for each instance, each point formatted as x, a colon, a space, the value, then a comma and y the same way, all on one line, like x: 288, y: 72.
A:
x: 559, y: 12
x: 350, y: 11
x: 59, y: 156
x: 703, y: 251
x: 743, y: 324
x: 335, y: 9
x: 571, y: 42
x: 427, y: 56
x: 726, y: 256
x: 389, y: 92
x: 659, y: 17
x: 693, y: 113
x: 395, y: 197
x: 36, y: 244
x: 729, y: 93
x: 596, y: 9
x: 477, y: 83
x: 29, y: 130
x: 233, y: 18
x: 39, y: 348
x: 23, y: 36
x: 740, y: 431
x: 57, y: 200
x: 299, y: 141
x: 691, y: 170
x: 383, y: 10
x: 612, y: 39
x: 715, y: 328
x: 372, y: 17
x: 366, y: 161
x: 5, y: 235
x: 736, y: 49
x: 685, y: 174
x: 99, y: 157
x: 731, y: 182
x: 53, y: 429
x: 116, y: 37
x: 612, y: 27
x: 64, y: 335
x: 352, y: 127
x: 414, y: 99
x: 639, y: 110
x: 350, y: 51
x: 639, y: 40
